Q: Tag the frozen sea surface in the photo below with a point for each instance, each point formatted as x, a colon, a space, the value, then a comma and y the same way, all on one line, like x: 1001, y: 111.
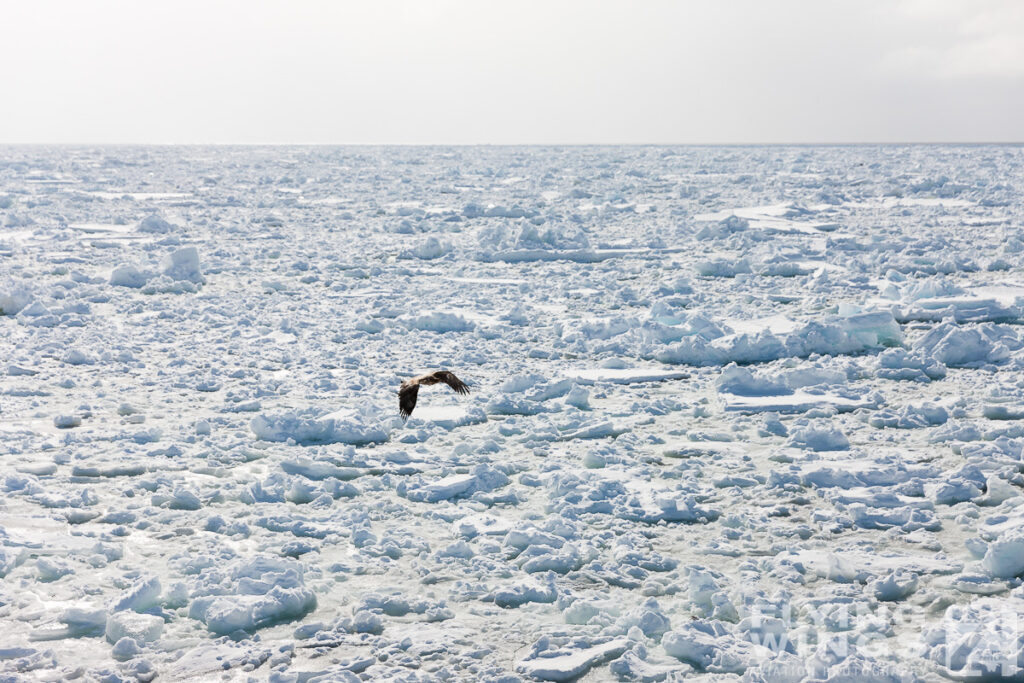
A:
x: 736, y: 412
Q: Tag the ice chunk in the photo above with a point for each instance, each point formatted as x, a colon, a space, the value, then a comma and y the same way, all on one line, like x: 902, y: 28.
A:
x: 897, y: 585
x: 567, y: 665
x: 722, y: 267
x: 140, y: 597
x: 129, y: 276
x: 67, y: 421
x: 49, y: 569
x: 482, y: 478
x: 77, y: 357
x: 183, y: 264
x: 431, y: 248
x: 144, y: 628
x: 632, y: 666
x: 366, y: 425
x: 819, y: 436
x: 155, y: 224
x: 957, y: 346
x: 13, y: 299
x: 710, y: 646
x: 900, y: 364
x: 251, y: 612
x: 838, y: 336
x: 521, y: 593
x: 478, y: 524
x: 439, y: 321
x: 578, y: 397
x: 742, y: 382
x: 84, y: 622
x: 125, y: 649
x: 443, y: 489
x: 1005, y: 555
x: 910, y: 417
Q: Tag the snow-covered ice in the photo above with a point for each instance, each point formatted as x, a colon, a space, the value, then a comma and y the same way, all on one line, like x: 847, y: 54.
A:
x: 742, y: 413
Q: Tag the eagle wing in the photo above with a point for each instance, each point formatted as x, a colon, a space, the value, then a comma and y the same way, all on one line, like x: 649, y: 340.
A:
x: 451, y: 380
x: 407, y: 398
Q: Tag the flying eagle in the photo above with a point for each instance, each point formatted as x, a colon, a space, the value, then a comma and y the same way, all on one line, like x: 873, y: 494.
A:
x: 410, y: 387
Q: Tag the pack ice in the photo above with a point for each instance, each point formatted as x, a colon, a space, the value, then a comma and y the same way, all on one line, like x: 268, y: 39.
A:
x: 735, y: 414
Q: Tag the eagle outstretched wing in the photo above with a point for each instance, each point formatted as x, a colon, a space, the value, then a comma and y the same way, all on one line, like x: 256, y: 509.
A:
x: 451, y: 380
x: 407, y: 399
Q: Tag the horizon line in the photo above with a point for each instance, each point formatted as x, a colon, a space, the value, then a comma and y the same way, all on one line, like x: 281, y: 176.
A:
x: 876, y: 143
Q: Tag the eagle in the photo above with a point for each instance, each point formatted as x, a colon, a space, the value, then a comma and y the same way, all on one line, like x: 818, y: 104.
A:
x: 410, y: 387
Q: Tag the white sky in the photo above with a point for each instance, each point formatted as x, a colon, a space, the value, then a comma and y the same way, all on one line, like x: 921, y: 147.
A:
x: 511, y: 71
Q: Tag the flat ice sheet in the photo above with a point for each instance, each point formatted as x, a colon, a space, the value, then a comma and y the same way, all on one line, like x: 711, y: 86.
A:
x: 796, y: 402
x: 625, y: 375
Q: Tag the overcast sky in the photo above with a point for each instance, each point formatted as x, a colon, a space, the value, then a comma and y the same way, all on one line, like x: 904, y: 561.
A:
x: 511, y: 71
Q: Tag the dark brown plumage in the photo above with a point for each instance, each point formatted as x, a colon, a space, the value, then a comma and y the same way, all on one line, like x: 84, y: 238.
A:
x: 410, y: 387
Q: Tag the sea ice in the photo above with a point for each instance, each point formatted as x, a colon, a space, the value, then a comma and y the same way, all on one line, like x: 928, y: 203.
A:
x: 736, y: 412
